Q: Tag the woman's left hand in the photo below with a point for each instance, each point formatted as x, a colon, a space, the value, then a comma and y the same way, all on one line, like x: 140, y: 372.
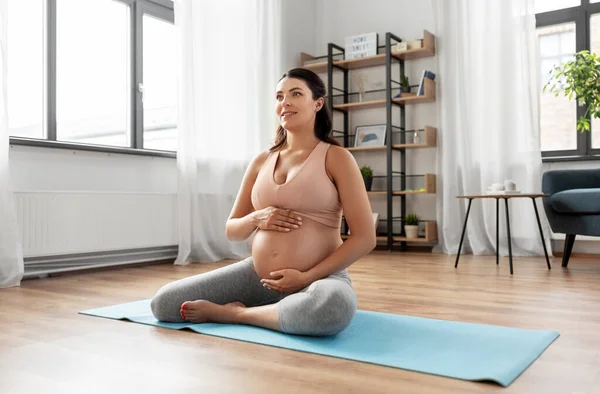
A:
x: 290, y: 281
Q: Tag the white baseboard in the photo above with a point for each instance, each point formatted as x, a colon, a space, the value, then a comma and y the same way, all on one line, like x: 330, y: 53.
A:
x: 39, y: 267
x: 583, y: 244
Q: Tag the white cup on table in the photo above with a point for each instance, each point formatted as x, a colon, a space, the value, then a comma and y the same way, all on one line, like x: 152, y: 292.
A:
x: 510, y: 186
x: 497, y: 187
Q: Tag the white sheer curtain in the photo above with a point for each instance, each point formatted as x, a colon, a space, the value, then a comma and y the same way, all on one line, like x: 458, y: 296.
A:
x: 488, y: 89
x: 230, y: 62
x: 11, y: 254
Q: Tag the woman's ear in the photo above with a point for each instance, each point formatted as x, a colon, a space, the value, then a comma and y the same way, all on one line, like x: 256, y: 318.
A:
x: 320, y: 103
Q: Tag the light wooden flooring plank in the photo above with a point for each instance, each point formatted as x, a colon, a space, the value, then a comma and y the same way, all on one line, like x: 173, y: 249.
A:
x: 46, y: 347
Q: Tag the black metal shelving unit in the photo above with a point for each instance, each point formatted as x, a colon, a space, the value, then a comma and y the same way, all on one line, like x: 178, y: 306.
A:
x: 389, y: 142
x: 333, y: 53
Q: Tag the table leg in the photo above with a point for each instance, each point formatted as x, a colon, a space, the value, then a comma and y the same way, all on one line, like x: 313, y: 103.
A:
x: 497, y: 228
x: 537, y: 216
x: 508, y: 234
x: 463, y: 233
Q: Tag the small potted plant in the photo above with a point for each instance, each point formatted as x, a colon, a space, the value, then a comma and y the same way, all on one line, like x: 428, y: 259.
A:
x: 411, y: 225
x: 405, y: 84
x: 367, y: 174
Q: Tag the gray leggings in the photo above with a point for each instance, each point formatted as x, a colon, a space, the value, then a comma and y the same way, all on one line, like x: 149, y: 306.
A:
x: 325, y: 307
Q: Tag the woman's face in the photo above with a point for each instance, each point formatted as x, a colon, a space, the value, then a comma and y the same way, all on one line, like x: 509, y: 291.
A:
x: 294, y: 104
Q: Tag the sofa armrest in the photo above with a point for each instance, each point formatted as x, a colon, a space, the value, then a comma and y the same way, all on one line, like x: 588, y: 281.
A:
x: 555, y: 181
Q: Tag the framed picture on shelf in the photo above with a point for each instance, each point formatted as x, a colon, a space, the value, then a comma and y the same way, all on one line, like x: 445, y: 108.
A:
x: 372, y: 135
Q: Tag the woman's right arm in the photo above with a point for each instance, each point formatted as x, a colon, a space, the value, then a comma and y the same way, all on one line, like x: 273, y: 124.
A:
x: 244, y: 220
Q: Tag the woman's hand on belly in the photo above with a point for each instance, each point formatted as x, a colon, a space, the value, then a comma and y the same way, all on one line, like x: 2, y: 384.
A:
x: 287, y: 281
x: 277, y: 219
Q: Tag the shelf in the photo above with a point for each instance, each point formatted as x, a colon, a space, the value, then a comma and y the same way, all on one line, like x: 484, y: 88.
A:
x: 406, y: 99
x: 367, y: 148
x: 429, y: 188
x: 429, y: 137
x: 316, y: 67
x: 398, y: 138
x: 428, y: 50
x: 361, y: 105
x: 399, y: 192
x: 430, y: 235
x: 403, y: 239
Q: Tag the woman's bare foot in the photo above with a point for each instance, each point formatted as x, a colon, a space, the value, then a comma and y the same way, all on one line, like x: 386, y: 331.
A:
x: 202, y: 311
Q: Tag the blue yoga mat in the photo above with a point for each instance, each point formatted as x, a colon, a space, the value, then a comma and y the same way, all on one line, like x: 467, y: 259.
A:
x: 453, y: 349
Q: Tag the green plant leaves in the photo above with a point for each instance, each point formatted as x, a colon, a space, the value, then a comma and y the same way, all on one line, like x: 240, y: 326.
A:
x: 366, y: 171
x: 580, y: 79
x: 412, y: 219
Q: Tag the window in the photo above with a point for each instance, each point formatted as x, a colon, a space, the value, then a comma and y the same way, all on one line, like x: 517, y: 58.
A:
x: 92, y: 72
x: 551, y: 5
x: 595, y: 47
x: 75, y: 73
x: 25, y: 68
x: 160, y: 84
x: 558, y: 114
x: 565, y: 27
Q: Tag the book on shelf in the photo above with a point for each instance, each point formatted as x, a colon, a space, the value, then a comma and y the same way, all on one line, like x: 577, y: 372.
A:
x: 426, y: 74
x: 421, y: 90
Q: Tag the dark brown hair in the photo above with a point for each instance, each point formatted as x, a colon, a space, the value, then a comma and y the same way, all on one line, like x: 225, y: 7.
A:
x: 323, y: 119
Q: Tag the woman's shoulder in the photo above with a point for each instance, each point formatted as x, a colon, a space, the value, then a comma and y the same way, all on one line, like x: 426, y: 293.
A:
x: 339, y: 155
x: 261, y: 157
x: 338, y: 160
x: 259, y: 160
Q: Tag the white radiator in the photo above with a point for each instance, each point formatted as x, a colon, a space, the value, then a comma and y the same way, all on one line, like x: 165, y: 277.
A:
x: 59, y: 223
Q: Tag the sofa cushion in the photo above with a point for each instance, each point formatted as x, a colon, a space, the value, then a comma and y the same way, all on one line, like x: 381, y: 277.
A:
x: 577, y: 201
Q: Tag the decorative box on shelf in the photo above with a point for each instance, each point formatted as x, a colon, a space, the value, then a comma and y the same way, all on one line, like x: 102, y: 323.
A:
x: 362, y: 45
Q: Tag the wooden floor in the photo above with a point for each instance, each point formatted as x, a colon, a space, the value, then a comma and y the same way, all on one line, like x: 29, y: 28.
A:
x: 46, y: 347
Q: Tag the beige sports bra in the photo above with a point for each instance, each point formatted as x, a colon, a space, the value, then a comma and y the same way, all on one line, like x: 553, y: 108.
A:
x: 309, y: 192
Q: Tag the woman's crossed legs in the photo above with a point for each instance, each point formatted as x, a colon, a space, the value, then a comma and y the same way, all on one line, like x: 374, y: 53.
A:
x: 234, y: 294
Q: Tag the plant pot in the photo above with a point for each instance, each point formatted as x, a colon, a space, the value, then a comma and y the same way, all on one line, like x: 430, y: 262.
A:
x: 412, y: 231
x: 368, y: 182
x: 405, y: 89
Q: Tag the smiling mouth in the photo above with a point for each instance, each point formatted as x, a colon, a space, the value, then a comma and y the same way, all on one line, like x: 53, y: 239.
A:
x: 288, y: 114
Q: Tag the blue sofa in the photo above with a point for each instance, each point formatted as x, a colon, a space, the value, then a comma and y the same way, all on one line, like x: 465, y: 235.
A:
x: 573, y: 206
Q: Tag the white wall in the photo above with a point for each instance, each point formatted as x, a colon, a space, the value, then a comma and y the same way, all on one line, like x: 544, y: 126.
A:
x: 49, y: 169
x: 337, y: 19
x: 299, y: 30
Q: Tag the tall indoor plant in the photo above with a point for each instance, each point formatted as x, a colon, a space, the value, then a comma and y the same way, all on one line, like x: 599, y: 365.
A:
x: 579, y: 78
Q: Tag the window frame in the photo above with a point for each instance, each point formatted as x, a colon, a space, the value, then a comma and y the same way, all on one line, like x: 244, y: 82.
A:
x: 159, y: 12
x: 161, y: 9
x: 580, y: 15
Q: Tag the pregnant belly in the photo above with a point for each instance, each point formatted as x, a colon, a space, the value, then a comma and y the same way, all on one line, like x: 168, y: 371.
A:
x: 300, y: 249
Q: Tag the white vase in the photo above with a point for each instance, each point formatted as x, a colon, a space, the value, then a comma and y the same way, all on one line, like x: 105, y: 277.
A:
x: 416, y: 138
x: 411, y: 231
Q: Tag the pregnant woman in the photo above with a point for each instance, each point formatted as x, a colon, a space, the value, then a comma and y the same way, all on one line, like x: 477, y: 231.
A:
x: 291, y: 200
